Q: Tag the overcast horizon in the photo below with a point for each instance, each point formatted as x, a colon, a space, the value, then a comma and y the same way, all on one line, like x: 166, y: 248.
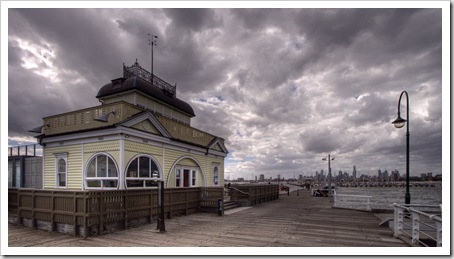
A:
x: 283, y: 87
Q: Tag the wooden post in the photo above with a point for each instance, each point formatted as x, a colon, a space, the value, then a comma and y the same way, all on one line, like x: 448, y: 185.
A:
x: 186, y: 204
x: 170, y: 203
x: 125, y: 208
x: 101, y: 212
x: 85, y: 215
x: 76, y: 231
x: 52, y: 209
x: 33, y: 210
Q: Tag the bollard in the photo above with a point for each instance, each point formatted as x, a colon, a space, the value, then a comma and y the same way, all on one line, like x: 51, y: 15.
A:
x: 219, y: 207
x: 288, y: 191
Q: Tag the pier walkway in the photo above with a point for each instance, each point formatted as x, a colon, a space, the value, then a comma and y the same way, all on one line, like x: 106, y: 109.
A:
x: 290, y: 221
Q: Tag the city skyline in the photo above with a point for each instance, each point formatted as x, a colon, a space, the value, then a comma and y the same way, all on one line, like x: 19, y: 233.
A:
x: 284, y: 87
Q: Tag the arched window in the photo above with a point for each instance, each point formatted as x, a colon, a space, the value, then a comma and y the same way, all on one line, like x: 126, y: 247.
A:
x: 61, y: 173
x: 216, y: 175
x: 101, y: 172
x: 61, y: 170
x: 142, y: 172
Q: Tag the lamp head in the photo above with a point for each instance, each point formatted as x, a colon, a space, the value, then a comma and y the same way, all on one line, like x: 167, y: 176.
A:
x: 399, y: 122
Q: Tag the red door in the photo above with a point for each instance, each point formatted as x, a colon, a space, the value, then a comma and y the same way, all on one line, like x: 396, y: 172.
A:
x: 185, y: 178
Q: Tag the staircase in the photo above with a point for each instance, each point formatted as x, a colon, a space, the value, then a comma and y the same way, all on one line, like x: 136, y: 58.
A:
x: 228, y: 205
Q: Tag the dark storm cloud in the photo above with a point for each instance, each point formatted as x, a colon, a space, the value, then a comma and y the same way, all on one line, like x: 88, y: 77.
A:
x: 284, y: 87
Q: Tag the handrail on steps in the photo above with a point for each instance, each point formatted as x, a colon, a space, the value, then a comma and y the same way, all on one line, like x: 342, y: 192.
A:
x: 238, y: 190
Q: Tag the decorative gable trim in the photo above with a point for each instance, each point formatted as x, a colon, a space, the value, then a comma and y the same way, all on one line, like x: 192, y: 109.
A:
x: 218, y: 144
x: 146, y: 116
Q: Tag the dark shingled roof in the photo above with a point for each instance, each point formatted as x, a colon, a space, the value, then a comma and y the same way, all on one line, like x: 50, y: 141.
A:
x: 121, y: 85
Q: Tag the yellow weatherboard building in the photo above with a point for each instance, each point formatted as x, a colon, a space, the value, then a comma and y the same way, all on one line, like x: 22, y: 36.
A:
x: 140, y: 133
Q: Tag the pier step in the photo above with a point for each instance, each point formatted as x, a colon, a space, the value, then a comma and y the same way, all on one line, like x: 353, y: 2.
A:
x: 228, y: 205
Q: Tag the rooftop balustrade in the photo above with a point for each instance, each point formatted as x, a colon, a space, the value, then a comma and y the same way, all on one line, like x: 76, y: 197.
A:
x: 85, y: 119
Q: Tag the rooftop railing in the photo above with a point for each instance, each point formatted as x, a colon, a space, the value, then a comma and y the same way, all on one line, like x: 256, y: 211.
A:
x: 137, y: 70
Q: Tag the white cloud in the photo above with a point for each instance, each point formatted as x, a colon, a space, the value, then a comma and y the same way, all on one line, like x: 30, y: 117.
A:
x: 283, y: 87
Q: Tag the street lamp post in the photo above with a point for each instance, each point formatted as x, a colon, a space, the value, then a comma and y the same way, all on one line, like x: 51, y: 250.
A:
x: 399, y: 123
x: 329, y: 173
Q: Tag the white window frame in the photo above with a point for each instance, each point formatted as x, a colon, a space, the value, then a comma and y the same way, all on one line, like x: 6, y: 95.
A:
x: 94, y: 159
x: 193, y: 176
x: 178, y: 182
x: 58, y: 157
x: 144, y: 179
x: 216, y: 167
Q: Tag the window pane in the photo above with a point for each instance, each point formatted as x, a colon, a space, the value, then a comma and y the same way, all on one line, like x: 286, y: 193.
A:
x: 154, y: 170
x: 93, y: 183
x: 193, y: 177
x: 92, y: 168
x: 216, y: 173
x: 112, y: 168
x: 151, y: 183
x: 134, y: 183
x: 144, y: 167
x: 102, y: 164
x: 109, y: 183
x: 132, y: 169
x: 61, y: 165
x: 177, y: 178
x: 61, y: 179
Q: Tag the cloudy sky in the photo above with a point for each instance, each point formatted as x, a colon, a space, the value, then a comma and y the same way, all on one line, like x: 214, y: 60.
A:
x: 283, y: 87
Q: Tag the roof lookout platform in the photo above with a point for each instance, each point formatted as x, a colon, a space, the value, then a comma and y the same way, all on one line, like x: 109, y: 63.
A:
x: 135, y: 78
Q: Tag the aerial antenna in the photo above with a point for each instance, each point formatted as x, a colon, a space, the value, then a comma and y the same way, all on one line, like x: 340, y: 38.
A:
x: 152, y: 42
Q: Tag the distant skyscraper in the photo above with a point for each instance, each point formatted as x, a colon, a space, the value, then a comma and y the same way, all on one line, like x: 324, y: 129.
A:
x: 262, y: 178
x: 354, y: 172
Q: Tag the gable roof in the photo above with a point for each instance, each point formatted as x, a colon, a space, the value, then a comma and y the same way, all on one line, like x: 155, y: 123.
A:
x: 146, y: 116
x: 177, y: 131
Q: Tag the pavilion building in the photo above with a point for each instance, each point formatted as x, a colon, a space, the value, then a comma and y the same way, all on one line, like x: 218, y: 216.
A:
x: 140, y: 133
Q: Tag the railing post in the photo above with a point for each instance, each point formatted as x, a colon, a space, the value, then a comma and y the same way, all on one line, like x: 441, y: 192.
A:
x: 86, y: 209
x: 415, y: 228
x: 439, y: 233
x: 398, y: 220
x: 368, y: 206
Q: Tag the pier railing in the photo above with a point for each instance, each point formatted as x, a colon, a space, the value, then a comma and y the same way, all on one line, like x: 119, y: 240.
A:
x: 92, y: 212
x: 252, y: 194
x: 421, y: 228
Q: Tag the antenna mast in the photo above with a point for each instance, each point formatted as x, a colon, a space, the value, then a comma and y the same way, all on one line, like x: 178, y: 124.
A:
x: 152, y: 42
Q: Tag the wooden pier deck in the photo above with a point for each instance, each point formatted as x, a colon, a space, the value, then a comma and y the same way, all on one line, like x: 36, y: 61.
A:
x: 290, y: 221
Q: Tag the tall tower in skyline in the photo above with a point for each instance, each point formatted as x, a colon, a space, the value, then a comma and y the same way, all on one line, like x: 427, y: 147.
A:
x: 354, y: 172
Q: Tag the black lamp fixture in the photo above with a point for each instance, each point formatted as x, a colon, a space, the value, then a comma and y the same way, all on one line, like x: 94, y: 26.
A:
x: 105, y: 117
x: 399, y: 123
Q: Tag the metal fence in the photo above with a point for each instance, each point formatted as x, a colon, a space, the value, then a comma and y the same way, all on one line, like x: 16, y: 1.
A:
x: 93, y: 212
